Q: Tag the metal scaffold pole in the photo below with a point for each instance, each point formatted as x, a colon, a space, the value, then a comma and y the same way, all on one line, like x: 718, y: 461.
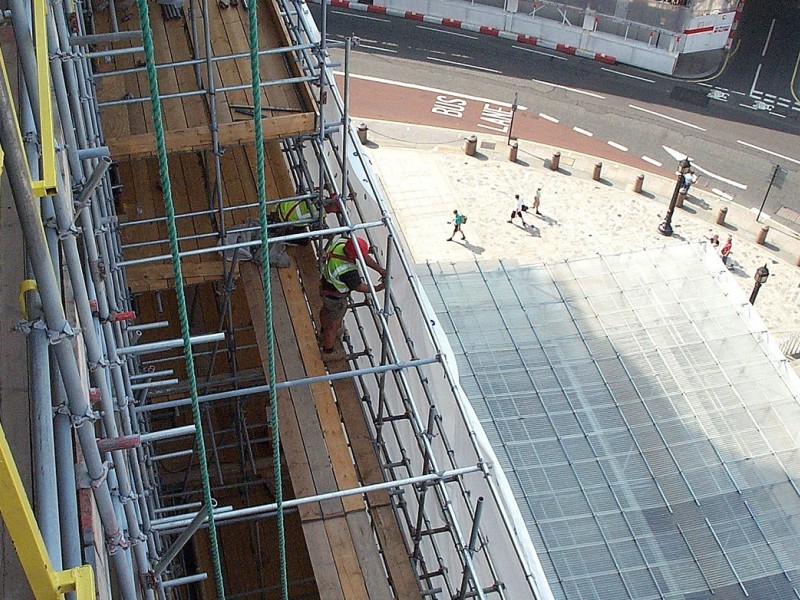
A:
x: 60, y: 333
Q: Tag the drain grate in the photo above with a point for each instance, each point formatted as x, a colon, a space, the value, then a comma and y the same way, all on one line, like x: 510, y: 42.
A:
x: 488, y: 145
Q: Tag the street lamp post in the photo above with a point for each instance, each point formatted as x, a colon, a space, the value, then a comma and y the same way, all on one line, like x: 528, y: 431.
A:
x: 666, y: 227
x: 761, y: 276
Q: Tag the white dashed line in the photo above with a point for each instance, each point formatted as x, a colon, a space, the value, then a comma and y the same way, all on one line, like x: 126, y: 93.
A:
x: 722, y: 194
x: 569, y: 89
x: 735, y: 184
x: 652, y: 161
x: 583, y: 131
x: 618, y: 146
x: 783, y: 104
x: 756, y: 93
x: 795, y: 108
x: 785, y: 100
x: 460, y: 64
x: 705, y: 84
x: 539, y: 52
x: 770, y: 96
x: 774, y: 114
x: 444, y: 31
x: 673, y: 119
x: 626, y: 75
x: 740, y: 93
x: 377, y: 48
x: 548, y: 118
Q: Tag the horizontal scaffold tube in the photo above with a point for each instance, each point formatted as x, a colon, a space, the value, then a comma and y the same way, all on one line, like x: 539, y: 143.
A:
x: 170, y: 344
x: 266, y: 510
x: 263, y: 389
x: 250, y: 244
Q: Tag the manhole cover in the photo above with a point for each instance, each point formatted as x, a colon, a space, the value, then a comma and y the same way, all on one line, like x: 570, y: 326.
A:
x: 488, y: 145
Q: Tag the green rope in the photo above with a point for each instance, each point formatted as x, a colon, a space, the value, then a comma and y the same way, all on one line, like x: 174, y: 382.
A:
x: 265, y: 276
x: 172, y: 231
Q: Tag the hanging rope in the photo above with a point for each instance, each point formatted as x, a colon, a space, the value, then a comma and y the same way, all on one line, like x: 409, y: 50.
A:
x: 261, y: 187
x: 172, y: 231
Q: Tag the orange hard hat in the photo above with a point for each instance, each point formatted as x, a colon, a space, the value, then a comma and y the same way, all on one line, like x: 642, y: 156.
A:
x: 350, y: 250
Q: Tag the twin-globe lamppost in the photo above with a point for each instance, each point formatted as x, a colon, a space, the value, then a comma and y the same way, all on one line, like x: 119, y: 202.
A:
x: 666, y: 227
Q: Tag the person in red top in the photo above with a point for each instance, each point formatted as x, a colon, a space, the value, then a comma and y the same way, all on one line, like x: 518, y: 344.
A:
x: 726, y: 250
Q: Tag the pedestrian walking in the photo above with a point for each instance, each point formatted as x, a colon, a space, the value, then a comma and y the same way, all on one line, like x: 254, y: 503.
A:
x: 340, y: 277
x: 457, y: 222
x: 688, y: 179
x: 714, y: 239
x: 726, y: 251
x: 537, y: 199
x: 517, y: 210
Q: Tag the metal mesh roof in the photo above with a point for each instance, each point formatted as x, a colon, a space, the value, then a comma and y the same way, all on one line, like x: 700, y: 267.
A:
x: 647, y: 431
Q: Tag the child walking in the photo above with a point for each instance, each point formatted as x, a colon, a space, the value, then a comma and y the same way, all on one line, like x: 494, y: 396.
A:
x: 458, y: 221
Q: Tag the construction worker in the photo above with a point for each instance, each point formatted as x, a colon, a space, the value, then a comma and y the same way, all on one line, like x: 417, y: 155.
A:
x: 292, y: 211
x: 340, y: 276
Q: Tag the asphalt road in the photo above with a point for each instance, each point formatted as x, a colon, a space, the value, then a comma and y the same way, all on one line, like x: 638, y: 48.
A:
x: 734, y: 146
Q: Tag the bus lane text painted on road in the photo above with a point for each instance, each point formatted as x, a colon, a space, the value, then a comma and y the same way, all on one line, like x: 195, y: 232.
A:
x: 494, y: 117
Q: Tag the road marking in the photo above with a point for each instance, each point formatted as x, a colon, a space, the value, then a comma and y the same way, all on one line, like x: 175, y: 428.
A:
x: 774, y: 114
x: 756, y: 93
x: 472, y: 37
x: 379, y: 49
x: 784, y: 104
x: 769, y: 35
x: 539, y: 52
x: 769, y: 96
x: 705, y: 84
x: 465, y: 65
x: 548, y: 118
x: 721, y: 193
x: 795, y: 108
x: 785, y: 100
x: 652, y: 161
x: 617, y: 146
x: 673, y: 119
x: 583, y: 131
x: 569, y: 89
x: 423, y: 88
x: 740, y: 93
x: 357, y: 16
x: 676, y: 155
x: 741, y: 186
x: 755, y: 80
x: 626, y: 75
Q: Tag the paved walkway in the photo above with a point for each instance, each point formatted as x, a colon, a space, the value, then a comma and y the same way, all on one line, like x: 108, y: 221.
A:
x: 426, y: 175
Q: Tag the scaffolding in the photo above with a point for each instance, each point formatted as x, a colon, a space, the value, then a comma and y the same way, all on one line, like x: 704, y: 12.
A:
x: 388, y: 466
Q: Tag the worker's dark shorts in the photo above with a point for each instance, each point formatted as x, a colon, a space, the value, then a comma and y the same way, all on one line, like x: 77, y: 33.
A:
x: 334, y: 308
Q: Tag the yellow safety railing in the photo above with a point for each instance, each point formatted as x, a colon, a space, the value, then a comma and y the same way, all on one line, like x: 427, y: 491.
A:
x: 46, y: 583
x: 46, y: 186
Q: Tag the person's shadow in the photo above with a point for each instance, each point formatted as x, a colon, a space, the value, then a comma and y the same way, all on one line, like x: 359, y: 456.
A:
x: 546, y: 219
x: 530, y: 229
x: 471, y: 247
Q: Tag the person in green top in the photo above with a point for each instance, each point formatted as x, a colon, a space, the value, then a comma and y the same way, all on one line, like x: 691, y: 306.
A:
x: 458, y: 221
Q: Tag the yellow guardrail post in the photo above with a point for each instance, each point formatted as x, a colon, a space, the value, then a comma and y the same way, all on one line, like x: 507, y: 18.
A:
x: 45, y: 582
x: 46, y: 186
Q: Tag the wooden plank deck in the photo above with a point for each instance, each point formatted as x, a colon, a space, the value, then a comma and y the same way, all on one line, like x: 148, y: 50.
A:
x: 315, y: 427
x: 289, y: 108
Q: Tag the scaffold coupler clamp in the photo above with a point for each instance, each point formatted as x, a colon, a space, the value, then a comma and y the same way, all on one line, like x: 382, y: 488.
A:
x: 116, y: 541
x: 67, y: 331
x: 27, y: 326
x: 101, y: 363
x: 96, y: 482
x: 79, y: 420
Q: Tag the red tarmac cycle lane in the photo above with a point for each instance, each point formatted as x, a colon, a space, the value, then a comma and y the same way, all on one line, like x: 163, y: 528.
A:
x: 396, y: 102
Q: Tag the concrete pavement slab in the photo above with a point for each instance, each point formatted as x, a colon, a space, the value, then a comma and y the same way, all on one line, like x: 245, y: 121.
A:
x: 427, y: 175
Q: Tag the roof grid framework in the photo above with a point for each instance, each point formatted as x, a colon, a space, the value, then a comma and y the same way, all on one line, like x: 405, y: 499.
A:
x: 648, y: 436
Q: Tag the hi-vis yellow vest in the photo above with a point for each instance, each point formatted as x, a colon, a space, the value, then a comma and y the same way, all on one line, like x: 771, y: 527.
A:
x: 296, y: 210
x: 336, y: 264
